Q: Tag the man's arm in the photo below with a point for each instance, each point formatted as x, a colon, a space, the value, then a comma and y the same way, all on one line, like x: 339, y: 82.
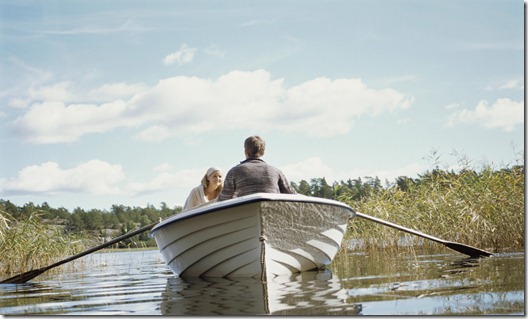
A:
x: 229, y: 187
x: 284, y: 185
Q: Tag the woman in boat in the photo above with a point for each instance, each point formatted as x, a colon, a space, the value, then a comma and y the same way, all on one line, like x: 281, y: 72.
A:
x: 254, y: 175
x: 208, y: 190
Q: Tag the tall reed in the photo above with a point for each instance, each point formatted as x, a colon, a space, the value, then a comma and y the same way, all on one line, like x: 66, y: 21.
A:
x: 484, y: 209
x: 28, y: 243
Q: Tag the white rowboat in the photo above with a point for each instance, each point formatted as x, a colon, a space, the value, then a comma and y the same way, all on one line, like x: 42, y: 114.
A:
x: 258, y: 235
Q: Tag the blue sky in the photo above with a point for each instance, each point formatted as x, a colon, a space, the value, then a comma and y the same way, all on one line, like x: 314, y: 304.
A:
x: 129, y: 102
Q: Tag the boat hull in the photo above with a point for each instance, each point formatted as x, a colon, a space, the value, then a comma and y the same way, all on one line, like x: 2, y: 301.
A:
x: 254, y: 236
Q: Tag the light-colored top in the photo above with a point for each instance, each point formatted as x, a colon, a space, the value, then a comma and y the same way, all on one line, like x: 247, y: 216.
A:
x: 254, y: 176
x: 196, y: 198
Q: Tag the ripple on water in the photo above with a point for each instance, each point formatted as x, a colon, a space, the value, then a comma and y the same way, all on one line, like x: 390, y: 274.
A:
x: 139, y: 283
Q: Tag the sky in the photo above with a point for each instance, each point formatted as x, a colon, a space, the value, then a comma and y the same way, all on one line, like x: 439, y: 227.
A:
x: 129, y: 102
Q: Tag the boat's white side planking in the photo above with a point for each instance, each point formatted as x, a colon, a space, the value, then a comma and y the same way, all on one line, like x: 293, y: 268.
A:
x: 253, y: 236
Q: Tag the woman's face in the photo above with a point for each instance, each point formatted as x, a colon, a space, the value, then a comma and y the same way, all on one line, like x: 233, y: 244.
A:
x: 215, y: 179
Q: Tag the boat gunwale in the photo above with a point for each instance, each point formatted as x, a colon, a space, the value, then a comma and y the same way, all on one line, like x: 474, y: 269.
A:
x: 244, y: 200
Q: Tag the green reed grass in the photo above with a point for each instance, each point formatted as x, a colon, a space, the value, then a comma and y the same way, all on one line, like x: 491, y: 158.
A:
x: 483, y: 209
x: 28, y: 244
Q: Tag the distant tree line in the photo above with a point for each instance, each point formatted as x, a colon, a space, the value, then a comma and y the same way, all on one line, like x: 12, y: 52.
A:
x: 355, y: 189
x: 94, y: 223
x: 361, y: 189
x: 103, y: 225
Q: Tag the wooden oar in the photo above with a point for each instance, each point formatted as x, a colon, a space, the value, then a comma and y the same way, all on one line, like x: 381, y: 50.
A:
x: 24, y: 277
x: 461, y: 248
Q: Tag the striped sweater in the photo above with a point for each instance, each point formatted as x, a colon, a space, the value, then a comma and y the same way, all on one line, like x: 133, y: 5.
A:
x: 254, y: 176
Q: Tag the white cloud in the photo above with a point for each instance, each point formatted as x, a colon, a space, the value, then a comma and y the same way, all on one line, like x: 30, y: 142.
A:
x: 165, y: 167
x: 18, y: 103
x: 40, y: 91
x: 60, y: 91
x: 504, y: 114
x: 513, y: 84
x: 516, y: 84
x: 183, y: 180
x: 93, y: 177
x: 183, y: 56
x: 156, y: 133
x: 323, y: 107
x: 116, y: 91
x: 183, y: 106
x: 55, y: 122
x: 314, y: 167
x: 56, y: 92
x: 214, y: 51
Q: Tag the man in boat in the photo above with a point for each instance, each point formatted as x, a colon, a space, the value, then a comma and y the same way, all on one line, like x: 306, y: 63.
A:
x: 253, y: 175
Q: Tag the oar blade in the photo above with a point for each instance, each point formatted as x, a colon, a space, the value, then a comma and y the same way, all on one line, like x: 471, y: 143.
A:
x: 24, y: 277
x: 468, y: 250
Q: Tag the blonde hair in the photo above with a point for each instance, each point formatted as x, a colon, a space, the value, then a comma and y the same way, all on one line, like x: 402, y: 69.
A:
x: 254, y: 146
x: 205, y: 181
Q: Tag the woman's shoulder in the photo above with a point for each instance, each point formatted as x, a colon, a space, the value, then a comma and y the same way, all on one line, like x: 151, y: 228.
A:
x: 197, y: 188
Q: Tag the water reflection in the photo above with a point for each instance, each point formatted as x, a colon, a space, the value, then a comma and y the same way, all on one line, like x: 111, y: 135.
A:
x: 116, y: 283
x: 461, y: 266
x: 435, y: 284
x: 367, y: 283
x: 309, y: 293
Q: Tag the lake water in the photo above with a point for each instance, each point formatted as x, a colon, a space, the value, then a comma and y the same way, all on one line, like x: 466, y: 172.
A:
x: 137, y: 282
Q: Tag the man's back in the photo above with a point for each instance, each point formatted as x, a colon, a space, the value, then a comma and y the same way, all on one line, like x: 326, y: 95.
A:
x: 254, y: 176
